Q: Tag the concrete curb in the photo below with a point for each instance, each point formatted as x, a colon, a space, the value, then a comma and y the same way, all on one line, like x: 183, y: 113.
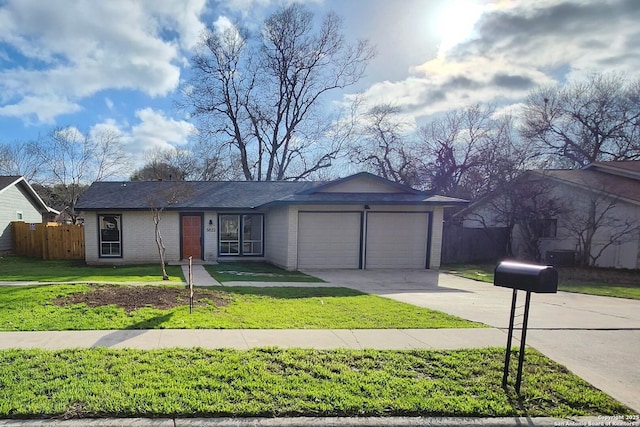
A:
x: 328, y: 422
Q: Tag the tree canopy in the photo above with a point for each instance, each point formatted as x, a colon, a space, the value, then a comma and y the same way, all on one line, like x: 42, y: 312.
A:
x: 259, y: 96
x: 585, y: 122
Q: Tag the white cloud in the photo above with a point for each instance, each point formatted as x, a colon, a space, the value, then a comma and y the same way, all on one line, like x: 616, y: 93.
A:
x: 253, y: 12
x: 222, y: 24
x: 154, y: 130
x: 157, y: 130
x: 517, y: 46
x: 45, y: 109
x: 78, y: 48
x: 184, y: 16
x: 109, y: 126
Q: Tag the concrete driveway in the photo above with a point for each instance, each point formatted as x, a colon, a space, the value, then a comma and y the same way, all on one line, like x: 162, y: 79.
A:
x: 597, y: 338
x: 380, y: 281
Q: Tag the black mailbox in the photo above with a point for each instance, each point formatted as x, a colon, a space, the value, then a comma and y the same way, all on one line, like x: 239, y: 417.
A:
x: 526, y: 277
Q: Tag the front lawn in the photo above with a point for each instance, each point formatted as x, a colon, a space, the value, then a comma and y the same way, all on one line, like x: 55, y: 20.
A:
x: 86, y: 307
x: 14, y: 268
x: 276, y: 382
x: 256, y: 272
x: 593, y: 281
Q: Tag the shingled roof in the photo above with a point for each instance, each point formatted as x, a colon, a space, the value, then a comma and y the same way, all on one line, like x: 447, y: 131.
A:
x: 229, y: 195
x: 190, y: 194
x: 7, y: 181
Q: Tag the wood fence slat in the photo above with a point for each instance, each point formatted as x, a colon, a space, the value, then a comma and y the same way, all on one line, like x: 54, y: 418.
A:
x: 468, y: 245
x: 48, y: 241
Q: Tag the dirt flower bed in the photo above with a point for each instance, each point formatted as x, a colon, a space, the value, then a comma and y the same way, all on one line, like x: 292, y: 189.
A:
x: 132, y: 298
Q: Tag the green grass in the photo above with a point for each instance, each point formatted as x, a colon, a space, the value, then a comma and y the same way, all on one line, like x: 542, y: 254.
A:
x: 629, y: 292
x: 270, y: 382
x: 31, y: 308
x: 13, y: 268
x: 256, y: 272
x: 479, y: 272
x: 592, y: 281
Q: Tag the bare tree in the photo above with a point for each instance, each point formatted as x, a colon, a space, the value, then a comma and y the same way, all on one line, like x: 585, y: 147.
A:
x: 262, y: 96
x: 503, y: 158
x: 386, y: 148
x: 469, y: 152
x: 167, y: 165
x: 597, y: 224
x: 585, y: 122
x: 214, y: 163
x: 526, y: 207
x: 536, y: 211
x: 19, y: 158
x: 170, y: 194
x: 70, y: 160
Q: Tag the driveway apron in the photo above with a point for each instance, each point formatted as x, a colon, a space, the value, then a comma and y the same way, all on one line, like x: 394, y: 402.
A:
x: 597, y: 338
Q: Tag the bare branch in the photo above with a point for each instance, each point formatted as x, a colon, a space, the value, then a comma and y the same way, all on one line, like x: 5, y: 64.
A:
x: 261, y: 96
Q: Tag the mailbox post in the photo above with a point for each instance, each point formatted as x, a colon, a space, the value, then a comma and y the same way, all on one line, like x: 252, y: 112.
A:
x: 529, y: 278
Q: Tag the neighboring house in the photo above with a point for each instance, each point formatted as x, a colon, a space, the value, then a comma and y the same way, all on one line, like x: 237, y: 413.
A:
x: 590, y: 215
x: 19, y: 202
x: 361, y: 221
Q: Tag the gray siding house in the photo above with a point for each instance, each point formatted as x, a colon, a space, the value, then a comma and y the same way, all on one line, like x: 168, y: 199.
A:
x: 18, y: 202
x: 361, y: 221
x: 600, y: 202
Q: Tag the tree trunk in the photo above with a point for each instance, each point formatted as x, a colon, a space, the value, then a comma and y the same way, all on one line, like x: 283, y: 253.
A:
x: 160, y: 244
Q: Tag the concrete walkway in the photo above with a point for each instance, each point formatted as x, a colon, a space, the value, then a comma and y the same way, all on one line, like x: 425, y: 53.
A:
x: 200, y: 276
x: 244, y: 339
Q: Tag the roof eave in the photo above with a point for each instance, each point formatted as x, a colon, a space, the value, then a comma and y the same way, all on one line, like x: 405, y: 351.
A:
x: 367, y: 202
x: 396, y: 185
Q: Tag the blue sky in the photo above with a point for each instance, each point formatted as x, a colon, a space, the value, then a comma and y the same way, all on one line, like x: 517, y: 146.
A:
x: 118, y: 64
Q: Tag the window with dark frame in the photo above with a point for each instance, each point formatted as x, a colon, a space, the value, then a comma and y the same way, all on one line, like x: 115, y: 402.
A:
x: 110, y: 235
x: 241, y: 234
x: 546, y: 227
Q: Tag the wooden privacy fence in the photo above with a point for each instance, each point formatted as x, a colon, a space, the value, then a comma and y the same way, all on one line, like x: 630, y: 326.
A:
x: 467, y: 245
x: 48, y: 241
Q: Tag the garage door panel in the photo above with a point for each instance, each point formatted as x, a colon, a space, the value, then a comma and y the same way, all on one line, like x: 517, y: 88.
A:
x: 396, y: 240
x: 329, y: 239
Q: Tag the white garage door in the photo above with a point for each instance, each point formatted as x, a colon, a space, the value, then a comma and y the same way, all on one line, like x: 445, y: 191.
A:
x: 329, y: 239
x: 396, y: 240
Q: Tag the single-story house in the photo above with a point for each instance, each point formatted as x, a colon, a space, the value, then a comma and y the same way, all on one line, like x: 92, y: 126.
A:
x: 19, y: 202
x: 361, y: 221
x: 594, y: 211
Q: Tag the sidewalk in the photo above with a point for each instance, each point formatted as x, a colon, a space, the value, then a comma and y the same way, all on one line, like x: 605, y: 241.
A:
x: 321, y: 422
x: 244, y: 339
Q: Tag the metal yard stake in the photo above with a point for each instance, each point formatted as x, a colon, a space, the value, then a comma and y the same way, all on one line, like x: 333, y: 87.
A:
x: 190, y: 285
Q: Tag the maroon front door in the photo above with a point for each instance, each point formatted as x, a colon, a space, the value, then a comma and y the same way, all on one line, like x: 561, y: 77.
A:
x: 191, y: 236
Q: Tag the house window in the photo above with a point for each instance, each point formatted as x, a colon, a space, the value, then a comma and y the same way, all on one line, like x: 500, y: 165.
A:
x: 19, y: 216
x: 241, y: 235
x: 252, y: 234
x: 110, y: 235
x: 546, y: 227
x: 229, y: 234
